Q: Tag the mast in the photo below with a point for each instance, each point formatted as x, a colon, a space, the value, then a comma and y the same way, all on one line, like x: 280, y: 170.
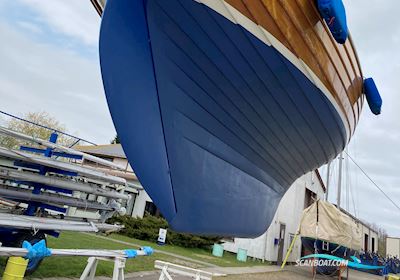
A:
x: 347, y: 182
x: 339, y: 190
x: 327, y: 181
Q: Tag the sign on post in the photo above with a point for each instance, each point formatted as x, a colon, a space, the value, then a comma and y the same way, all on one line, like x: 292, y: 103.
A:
x: 162, y: 236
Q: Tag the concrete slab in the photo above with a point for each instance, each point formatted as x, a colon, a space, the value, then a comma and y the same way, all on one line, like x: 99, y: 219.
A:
x: 154, y: 276
x: 242, y: 270
x: 298, y: 273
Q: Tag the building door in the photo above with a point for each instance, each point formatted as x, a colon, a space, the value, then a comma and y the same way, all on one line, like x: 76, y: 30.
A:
x: 281, y: 243
x: 373, y: 244
x: 366, y: 242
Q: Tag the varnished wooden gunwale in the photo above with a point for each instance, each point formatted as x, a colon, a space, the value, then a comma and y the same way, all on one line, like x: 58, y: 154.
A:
x: 299, y: 27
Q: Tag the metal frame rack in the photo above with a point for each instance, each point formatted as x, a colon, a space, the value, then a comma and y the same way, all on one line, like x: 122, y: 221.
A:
x: 119, y: 257
x: 40, y: 181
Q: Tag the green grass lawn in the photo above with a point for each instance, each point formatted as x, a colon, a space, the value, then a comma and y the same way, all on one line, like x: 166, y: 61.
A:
x: 227, y: 260
x: 73, y: 266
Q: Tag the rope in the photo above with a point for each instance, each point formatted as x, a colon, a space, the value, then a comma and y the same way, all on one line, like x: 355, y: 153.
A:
x: 316, y: 238
x: 46, y: 127
x: 373, y: 182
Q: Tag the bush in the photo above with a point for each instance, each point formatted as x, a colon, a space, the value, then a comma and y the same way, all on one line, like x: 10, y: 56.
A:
x: 147, y: 229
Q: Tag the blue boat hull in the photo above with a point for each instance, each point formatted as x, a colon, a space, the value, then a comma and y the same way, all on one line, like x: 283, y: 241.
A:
x: 216, y: 124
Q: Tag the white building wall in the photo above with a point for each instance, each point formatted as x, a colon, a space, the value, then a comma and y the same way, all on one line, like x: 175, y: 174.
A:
x: 140, y: 204
x: 123, y: 163
x: 74, y: 212
x: 371, y: 234
x: 393, y: 247
x: 374, y: 235
x: 289, y: 213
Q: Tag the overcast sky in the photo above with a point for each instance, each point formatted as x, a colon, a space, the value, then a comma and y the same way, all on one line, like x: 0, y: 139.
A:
x: 49, y: 61
x: 376, y: 145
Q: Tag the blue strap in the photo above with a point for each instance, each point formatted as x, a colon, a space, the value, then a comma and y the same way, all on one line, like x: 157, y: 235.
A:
x: 130, y: 253
x: 36, y: 251
x: 148, y: 250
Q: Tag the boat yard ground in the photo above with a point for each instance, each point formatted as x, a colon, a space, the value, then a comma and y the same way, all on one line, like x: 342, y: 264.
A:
x: 296, y: 273
x: 290, y: 273
x: 272, y: 273
x: 143, y: 267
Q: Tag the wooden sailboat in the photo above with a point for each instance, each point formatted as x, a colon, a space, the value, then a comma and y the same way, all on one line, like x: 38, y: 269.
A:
x: 221, y: 105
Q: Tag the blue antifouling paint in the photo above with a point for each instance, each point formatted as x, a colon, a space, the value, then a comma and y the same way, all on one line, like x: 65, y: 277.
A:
x: 374, y: 99
x: 207, y: 114
x: 334, y: 14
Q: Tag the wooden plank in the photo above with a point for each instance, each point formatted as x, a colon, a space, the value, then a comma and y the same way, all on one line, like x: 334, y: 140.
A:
x: 299, y: 27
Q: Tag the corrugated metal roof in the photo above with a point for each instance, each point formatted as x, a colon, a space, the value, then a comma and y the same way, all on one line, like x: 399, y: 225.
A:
x: 110, y: 150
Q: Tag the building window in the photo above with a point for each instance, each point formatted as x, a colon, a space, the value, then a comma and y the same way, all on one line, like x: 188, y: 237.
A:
x: 310, y: 197
x: 151, y: 208
x: 92, y: 197
x: 88, y: 196
x: 365, y: 242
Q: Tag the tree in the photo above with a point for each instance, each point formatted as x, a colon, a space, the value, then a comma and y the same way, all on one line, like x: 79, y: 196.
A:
x: 42, y: 118
x: 382, y: 235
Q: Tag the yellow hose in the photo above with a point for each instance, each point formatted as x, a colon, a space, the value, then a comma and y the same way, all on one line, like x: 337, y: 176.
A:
x: 15, y: 269
x: 289, y: 251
